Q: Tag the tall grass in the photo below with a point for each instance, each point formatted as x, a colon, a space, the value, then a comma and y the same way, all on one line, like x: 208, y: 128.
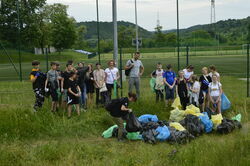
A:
x: 43, y: 138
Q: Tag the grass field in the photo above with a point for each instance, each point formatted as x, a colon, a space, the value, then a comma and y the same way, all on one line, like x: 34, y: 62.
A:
x: 52, y: 139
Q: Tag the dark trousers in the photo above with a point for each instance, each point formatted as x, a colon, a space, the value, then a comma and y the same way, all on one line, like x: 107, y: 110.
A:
x: 103, y: 96
x: 184, y: 102
x: 159, y: 95
x: 39, y: 94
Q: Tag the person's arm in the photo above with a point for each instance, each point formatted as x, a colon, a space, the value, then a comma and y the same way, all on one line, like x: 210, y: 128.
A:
x: 47, y: 79
x: 129, y: 65
x: 142, y: 70
x: 79, y: 90
x: 62, y: 83
x: 165, y: 81
x: 219, y: 95
x: 70, y: 91
x: 210, y: 97
x: 34, y: 77
x: 117, y: 75
x: 105, y: 78
x: 124, y: 108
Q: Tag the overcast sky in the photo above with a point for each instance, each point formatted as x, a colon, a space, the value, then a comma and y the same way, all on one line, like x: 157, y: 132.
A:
x: 192, y: 12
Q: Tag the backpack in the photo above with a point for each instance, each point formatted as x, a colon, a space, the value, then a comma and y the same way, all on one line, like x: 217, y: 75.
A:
x: 127, y: 72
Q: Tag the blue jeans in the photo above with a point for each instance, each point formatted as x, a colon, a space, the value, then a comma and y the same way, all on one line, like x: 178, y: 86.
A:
x: 83, y: 97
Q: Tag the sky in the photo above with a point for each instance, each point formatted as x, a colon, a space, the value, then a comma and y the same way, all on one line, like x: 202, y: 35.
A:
x: 192, y: 12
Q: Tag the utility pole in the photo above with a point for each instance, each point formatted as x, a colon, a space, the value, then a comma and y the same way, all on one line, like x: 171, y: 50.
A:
x: 19, y: 41
x: 115, y: 37
x: 98, y: 31
x: 178, y: 35
x: 136, y: 28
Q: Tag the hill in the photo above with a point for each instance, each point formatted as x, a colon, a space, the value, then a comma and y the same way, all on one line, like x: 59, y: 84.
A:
x: 106, y: 29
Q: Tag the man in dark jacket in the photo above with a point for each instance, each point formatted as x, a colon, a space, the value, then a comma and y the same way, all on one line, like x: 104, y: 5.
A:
x: 118, y: 109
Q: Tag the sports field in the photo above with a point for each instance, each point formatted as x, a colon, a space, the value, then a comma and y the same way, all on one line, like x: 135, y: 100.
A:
x: 52, y: 139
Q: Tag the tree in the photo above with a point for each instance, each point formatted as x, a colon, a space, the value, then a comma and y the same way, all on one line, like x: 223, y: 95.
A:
x: 160, y: 38
x: 125, y: 35
x: 171, y: 39
x: 80, y: 40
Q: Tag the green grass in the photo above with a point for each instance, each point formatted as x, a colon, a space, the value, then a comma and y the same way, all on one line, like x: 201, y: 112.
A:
x: 47, y: 139
x: 231, y: 63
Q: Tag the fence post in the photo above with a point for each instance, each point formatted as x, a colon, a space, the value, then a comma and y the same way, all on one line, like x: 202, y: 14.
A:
x: 248, y: 70
x: 47, y: 59
x: 121, y: 72
x: 187, y: 58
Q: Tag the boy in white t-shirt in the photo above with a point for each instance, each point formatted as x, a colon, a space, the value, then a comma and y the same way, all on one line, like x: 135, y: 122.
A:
x: 212, y: 70
x: 215, y: 91
x: 188, y: 72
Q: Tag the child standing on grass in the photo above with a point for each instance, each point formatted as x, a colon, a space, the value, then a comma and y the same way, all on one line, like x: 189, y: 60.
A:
x: 182, y: 89
x: 90, y: 88
x: 52, y: 84
x: 159, y: 82
x: 194, y: 91
x: 65, y: 84
x: 169, y: 80
x: 74, y: 94
x: 213, y: 70
x: 215, y: 91
x: 205, y: 79
x: 38, y: 83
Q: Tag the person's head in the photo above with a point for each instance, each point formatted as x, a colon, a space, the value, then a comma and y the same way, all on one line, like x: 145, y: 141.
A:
x: 35, y: 64
x: 212, y: 68
x: 57, y: 65
x: 111, y: 63
x: 132, y: 97
x: 190, y: 68
x: 181, y: 73
x: 98, y: 66
x: 194, y: 78
x: 169, y: 67
x: 214, y: 78
x: 90, y: 67
x: 204, y: 70
x: 159, y: 66
x: 137, y: 55
x: 69, y: 66
x: 73, y: 75
x: 80, y: 64
x: 71, y: 62
x: 53, y: 65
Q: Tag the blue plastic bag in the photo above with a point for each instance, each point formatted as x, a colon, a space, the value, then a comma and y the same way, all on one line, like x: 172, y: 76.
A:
x: 225, y: 103
x: 208, y: 124
x: 148, y: 118
x: 164, y: 133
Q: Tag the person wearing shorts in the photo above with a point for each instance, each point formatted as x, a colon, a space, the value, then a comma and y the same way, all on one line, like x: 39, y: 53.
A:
x: 169, y: 80
x: 215, y: 91
x: 204, y: 80
x: 52, y: 84
x: 74, y: 94
x: 65, y: 83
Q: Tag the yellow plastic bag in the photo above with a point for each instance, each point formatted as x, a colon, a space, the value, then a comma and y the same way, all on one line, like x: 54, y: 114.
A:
x: 176, y: 115
x: 177, y: 103
x: 177, y: 126
x: 216, y: 119
x: 191, y: 109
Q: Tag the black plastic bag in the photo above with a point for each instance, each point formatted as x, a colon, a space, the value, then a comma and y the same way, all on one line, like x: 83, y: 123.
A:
x: 132, y: 123
x: 149, y: 136
x: 227, y: 126
x: 115, y: 133
x: 180, y: 137
x: 209, y: 112
x: 193, y: 124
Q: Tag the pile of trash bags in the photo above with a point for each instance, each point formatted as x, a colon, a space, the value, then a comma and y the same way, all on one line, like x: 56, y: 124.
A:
x: 182, y: 127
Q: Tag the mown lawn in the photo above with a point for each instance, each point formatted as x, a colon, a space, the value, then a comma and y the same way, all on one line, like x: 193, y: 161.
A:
x: 44, y: 138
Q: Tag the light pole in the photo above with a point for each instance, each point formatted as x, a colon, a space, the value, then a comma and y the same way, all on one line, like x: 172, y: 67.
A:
x: 136, y: 28
x: 178, y: 35
x: 98, y: 31
x: 115, y: 40
x: 19, y: 41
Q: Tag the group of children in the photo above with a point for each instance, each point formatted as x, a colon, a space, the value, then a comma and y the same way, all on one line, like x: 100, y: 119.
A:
x: 202, y: 92
x: 73, y: 86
